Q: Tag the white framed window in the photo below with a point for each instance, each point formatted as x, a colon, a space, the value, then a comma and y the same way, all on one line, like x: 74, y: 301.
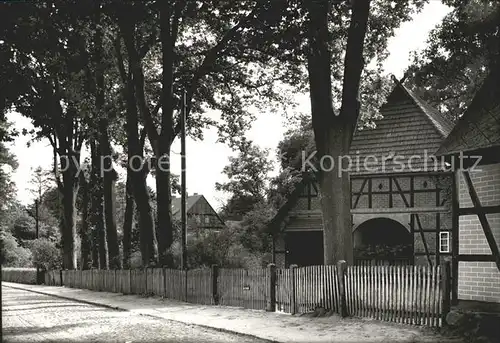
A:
x: 444, y: 242
x: 207, y: 220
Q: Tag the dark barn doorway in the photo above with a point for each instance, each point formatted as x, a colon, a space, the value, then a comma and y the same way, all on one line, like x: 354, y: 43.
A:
x: 382, y: 239
x: 304, y: 248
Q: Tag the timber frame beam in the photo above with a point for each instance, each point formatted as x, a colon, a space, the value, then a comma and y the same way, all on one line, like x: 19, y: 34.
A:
x: 481, y: 213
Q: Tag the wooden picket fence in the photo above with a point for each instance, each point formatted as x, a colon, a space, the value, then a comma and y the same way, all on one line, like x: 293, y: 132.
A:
x: 19, y: 275
x: 402, y: 294
x: 417, y: 295
x: 53, y: 278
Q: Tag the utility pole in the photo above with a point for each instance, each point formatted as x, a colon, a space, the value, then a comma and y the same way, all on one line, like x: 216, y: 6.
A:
x: 36, y: 219
x: 38, y: 200
x: 37, y: 226
x: 183, y: 182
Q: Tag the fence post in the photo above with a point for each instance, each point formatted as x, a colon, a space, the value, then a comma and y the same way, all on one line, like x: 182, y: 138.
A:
x: 341, y: 273
x: 186, y: 285
x: 271, y: 305
x: 130, y: 288
x: 61, y: 276
x: 293, y: 300
x: 164, y: 281
x: 445, y: 286
x: 215, y: 277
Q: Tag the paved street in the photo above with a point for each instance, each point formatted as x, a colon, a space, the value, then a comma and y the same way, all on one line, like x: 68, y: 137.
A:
x: 32, y: 317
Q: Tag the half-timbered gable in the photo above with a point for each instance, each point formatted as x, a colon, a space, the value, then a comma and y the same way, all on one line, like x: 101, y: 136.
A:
x: 200, y: 214
x: 393, y: 202
x: 298, y: 226
x: 477, y: 208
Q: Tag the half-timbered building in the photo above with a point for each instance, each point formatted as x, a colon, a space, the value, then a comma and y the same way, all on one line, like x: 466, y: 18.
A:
x: 200, y: 214
x: 400, y: 193
x: 474, y: 147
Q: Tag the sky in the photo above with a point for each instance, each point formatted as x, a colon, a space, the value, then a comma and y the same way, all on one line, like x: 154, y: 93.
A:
x: 206, y: 159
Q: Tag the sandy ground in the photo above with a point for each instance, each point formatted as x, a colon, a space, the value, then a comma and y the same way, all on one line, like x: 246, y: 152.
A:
x: 265, y: 325
x: 32, y: 317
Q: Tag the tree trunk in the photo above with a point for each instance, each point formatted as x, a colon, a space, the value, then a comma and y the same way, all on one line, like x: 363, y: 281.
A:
x: 335, y: 200
x: 69, y: 191
x: 138, y: 173
x: 107, y: 173
x: 98, y: 204
x: 85, y: 235
x: 94, y: 236
x: 164, y: 215
x: 332, y: 133
x: 128, y: 222
x: 134, y: 92
x: 109, y: 185
x: 163, y: 185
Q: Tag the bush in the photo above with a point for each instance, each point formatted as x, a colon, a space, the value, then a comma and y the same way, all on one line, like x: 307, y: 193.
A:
x: 13, y: 255
x: 45, y: 254
x: 223, y: 248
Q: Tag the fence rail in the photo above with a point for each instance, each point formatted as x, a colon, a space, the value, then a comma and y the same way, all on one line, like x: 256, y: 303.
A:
x: 417, y: 295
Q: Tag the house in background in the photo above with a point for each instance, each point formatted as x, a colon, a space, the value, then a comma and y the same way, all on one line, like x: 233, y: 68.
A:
x: 200, y: 214
x: 477, y: 208
x: 394, y: 204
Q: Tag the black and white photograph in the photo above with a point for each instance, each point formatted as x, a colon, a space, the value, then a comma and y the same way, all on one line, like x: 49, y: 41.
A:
x: 250, y: 171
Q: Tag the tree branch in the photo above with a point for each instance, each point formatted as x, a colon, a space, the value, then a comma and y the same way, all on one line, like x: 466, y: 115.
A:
x: 354, y: 62
x: 119, y: 60
x: 210, y: 58
x: 138, y: 78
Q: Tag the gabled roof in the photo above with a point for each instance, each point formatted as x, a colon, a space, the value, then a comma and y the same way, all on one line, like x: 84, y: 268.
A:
x: 190, y: 201
x: 274, y: 224
x: 479, y: 127
x: 409, y: 127
x: 442, y: 123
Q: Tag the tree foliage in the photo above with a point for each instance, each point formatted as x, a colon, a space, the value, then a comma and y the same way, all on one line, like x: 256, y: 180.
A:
x: 12, y: 254
x: 8, y: 164
x: 110, y: 73
x: 247, y: 179
x: 45, y: 254
x: 459, y: 54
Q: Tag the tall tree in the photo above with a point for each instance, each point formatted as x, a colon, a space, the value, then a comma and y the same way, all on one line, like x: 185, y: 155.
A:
x: 8, y: 163
x: 333, y: 133
x: 109, y: 175
x: 137, y: 168
x: 208, y: 69
x: 459, y: 54
x: 247, y: 178
x: 49, y: 91
x: 100, y: 247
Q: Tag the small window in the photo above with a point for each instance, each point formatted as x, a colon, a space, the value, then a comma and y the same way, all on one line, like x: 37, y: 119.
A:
x: 207, y: 220
x: 444, y: 242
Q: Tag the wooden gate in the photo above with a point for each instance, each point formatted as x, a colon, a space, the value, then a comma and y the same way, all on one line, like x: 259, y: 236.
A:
x: 284, y: 291
x: 243, y: 288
